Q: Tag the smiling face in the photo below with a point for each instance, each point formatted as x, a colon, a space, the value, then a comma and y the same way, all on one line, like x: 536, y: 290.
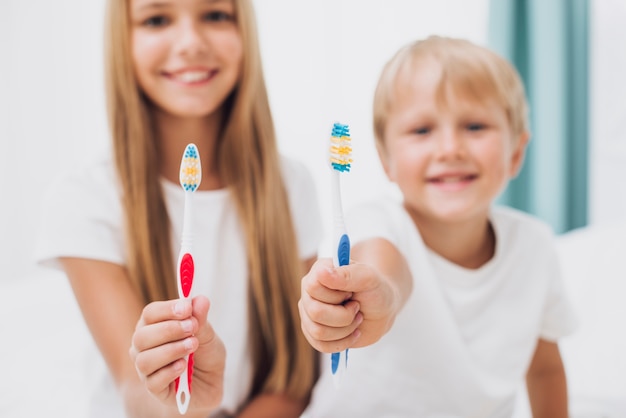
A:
x: 187, y: 54
x: 449, y: 154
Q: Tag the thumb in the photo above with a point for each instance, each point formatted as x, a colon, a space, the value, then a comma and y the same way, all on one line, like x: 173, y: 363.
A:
x: 200, y: 310
x: 355, y: 277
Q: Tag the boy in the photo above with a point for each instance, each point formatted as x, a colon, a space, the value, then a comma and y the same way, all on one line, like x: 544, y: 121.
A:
x: 465, y: 298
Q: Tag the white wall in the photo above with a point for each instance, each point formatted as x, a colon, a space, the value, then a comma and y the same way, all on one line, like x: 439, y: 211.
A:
x: 51, y: 109
x: 321, y: 62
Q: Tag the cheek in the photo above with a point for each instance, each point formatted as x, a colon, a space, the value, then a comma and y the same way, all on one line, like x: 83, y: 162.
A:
x: 406, y: 163
x: 141, y: 56
x: 497, y: 159
x: 230, y: 46
x: 147, y: 51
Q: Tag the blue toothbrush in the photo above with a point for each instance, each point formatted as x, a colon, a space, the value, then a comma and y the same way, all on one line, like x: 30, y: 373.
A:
x: 340, y: 161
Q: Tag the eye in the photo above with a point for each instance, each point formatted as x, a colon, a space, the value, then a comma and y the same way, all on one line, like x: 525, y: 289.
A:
x: 156, y: 21
x: 424, y: 130
x: 218, y: 16
x: 474, y: 127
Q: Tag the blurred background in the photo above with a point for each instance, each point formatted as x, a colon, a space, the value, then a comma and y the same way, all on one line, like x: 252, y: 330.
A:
x: 321, y: 61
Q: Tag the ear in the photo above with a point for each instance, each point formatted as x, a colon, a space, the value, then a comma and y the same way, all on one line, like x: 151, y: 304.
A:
x: 384, y: 160
x: 518, y: 154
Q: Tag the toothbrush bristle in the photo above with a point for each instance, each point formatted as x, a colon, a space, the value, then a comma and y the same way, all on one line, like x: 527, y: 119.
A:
x: 190, y: 169
x: 340, y: 148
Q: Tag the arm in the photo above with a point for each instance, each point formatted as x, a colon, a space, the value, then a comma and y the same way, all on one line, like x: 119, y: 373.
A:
x: 546, y: 383
x: 120, y: 318
x: 275, y: 405
x: 354, y: 305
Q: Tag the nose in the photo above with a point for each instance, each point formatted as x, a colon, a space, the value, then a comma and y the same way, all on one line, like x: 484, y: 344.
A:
x: 450, y: 145
x: 191, y: 40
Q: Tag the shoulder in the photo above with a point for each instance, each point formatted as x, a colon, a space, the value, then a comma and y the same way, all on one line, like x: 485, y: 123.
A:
x: 295, y: 173
x: 299, y: 184
x: 382, y: 208
x: 305, y: 211
x: 515, y: 223
x: 88, y: 181
x: 383, y: 217
x: 85, y: 193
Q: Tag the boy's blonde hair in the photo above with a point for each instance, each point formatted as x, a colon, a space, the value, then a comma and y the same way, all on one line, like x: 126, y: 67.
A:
x: 467, y: 70
x: 249, y: 164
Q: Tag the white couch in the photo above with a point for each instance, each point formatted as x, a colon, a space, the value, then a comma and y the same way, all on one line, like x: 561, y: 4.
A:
x: 45, y: 345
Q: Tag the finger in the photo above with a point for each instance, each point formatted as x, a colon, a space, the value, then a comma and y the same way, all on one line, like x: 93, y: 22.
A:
x: 160, y: 333
x: 313, y: 284
x: 149, y: 361
x: 200, y: 308
x: 331, y: 346
x: 163, y: 310
x: 206, y: 334
x: 354, y: 278
x: 330, y: 315
x: 158, y: 383
x: 324, y: 333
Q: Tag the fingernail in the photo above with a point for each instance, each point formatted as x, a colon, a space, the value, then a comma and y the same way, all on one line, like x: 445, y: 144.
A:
x: 188, y: 344
x: 186, y: 325
x: 359, y: 318
x: 179, y: 308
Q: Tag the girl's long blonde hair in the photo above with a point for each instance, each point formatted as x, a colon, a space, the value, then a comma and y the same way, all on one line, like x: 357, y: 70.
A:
x: 248, y: 163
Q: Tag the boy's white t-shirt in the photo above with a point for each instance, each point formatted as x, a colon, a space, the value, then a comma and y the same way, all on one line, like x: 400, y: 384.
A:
x: 82, y: 217
x: 463, y: 342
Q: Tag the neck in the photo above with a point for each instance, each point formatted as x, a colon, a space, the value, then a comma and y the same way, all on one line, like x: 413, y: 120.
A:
x: 468, y: 243
x: 173, y: 133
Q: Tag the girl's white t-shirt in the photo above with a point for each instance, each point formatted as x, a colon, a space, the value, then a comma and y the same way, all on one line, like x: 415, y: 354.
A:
x: 82, y: 217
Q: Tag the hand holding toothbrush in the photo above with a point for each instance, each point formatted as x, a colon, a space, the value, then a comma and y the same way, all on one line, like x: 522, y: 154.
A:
x: 166, y: 332
x: 346, y: 305
x: 354, y: 305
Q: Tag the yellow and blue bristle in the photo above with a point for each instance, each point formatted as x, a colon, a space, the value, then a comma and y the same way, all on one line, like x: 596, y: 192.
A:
x: 190, y: 172
x: 340, y: 148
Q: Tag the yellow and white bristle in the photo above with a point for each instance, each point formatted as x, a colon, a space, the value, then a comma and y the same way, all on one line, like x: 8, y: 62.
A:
x: 340, y: 148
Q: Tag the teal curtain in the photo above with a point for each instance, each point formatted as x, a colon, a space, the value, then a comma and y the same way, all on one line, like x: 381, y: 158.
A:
x: 547, y: 41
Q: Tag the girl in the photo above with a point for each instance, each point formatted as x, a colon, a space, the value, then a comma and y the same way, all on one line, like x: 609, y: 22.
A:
x: 178, y: 72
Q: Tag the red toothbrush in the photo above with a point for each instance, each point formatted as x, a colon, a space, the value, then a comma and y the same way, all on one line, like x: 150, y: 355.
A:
x: 190, y: 176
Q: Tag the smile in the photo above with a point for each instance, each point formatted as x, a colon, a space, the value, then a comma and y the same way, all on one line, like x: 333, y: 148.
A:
x: 191, y: 77
x: 453, y: 179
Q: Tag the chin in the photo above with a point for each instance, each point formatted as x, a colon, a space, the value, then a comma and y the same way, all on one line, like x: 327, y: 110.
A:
x: 192, y: 111
x: 459, y: 213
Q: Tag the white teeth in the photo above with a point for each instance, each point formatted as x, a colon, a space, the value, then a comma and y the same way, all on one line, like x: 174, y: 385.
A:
x: 192, y: 76
x: 451, y: 179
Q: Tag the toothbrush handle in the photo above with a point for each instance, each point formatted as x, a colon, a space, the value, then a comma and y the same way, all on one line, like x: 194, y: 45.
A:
x: 342, y: 259
x: 183, y: 386
x: 186, y: 270
x: 343, y: 250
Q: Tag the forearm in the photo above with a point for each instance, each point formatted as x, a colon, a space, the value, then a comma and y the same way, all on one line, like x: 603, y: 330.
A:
x: 548, y: 395
x: 546, y: 382
x: 273, y: 406
x: 392, y: 267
